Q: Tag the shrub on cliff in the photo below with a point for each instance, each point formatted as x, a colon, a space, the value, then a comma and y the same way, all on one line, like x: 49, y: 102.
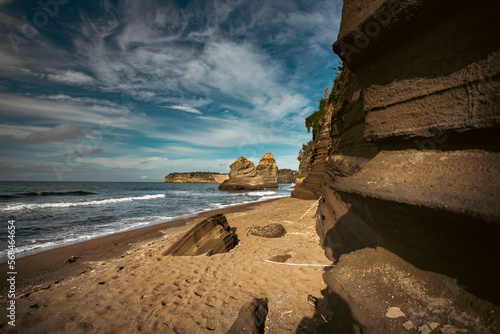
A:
x: 312, y: 121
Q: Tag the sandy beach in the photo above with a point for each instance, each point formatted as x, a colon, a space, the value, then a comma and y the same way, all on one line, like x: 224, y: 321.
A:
x: 123, y: 283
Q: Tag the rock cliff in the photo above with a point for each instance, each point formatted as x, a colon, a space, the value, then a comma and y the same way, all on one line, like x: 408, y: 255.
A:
x: 196, y: 177
x: 245, y: 176
x: 408, y: 167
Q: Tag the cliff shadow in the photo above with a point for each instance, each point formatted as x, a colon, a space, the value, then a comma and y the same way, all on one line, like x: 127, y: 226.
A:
x: 332, y: 315
x: 448, y: 243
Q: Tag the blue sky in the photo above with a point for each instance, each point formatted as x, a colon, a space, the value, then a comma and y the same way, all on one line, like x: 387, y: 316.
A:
x: 134, y: 90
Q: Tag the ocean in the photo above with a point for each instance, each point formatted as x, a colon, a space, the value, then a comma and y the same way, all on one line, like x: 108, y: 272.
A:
x: 53, y: 214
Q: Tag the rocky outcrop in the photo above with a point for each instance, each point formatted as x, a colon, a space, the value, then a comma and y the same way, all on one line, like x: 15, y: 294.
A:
x: 245, y: 176
x: 196, y: 177
x: 408, y: 160
x: 211, y: 236
x: 268, y: 169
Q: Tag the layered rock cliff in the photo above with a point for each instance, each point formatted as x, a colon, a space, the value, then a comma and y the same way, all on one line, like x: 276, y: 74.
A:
x: 245, y: 176
x: 408, y: 167
x: 195, y: 177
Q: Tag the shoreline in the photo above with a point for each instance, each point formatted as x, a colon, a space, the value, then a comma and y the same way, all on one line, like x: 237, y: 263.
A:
x: 138, y: 288
x: 49, y: 265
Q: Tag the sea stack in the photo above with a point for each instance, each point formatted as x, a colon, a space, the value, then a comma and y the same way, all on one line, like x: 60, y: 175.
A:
x: 268, y: 169
x: 245, y: 176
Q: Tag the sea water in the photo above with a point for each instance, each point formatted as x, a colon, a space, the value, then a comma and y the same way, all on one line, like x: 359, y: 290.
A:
x: 53, y: 214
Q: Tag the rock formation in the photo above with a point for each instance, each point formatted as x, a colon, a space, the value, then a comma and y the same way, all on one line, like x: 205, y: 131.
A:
x: 268, y: 169
x: 211, y: 236
x: 245, y: 176
x: 251, y: 318
x: 196, y: 177
x: 408, y: 164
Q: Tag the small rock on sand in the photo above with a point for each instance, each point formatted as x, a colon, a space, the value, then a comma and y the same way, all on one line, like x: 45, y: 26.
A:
x: 394, y: 312
x: 269, y: 231
x: 409, y: 325
x: 424, y: 329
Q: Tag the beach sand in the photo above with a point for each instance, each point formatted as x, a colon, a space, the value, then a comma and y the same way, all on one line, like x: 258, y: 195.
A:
x: 123, y: 283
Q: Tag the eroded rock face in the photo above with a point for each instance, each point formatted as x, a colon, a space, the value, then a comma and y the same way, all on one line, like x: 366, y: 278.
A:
x: 268, y: 169
x: 412, y: 166
x: 211, y: 236
x: 245, y: 176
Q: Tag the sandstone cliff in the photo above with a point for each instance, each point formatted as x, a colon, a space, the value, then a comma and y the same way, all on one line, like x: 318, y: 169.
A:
x: 245, y: 176
x: 195, y: 177
x: 408, y: 167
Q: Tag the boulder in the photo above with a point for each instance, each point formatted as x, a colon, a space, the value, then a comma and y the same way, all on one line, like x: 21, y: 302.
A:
x: 251, y: 318
x: 211, y: 236
x: 243, y: 176
x: 268, y: 169
x: 269, y: 231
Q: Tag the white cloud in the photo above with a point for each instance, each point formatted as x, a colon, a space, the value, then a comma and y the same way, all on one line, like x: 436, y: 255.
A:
x: 186, y: 109
x: 71, y: 78
x: 68, y: 111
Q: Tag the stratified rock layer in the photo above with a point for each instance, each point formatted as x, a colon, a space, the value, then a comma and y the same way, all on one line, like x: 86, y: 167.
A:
x: 211, y: 236
x: 408, y: 158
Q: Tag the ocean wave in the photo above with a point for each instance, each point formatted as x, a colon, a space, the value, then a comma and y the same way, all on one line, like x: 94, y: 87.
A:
x: 18, y: 207
x: 49, y: 193
x: 76, y: 236
x: 256, y: 193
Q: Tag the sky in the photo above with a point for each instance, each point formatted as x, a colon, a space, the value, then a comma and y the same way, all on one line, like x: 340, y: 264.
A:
x: 134, y: 90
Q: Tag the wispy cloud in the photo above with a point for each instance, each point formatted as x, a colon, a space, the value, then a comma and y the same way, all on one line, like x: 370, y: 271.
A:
x: 61, y: 132
x: 234, y: 74
x: 186, y: 109
x: 71, y: 78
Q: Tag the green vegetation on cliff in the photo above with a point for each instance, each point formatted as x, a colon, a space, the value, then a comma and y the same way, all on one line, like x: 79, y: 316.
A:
x: 313, y: 120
